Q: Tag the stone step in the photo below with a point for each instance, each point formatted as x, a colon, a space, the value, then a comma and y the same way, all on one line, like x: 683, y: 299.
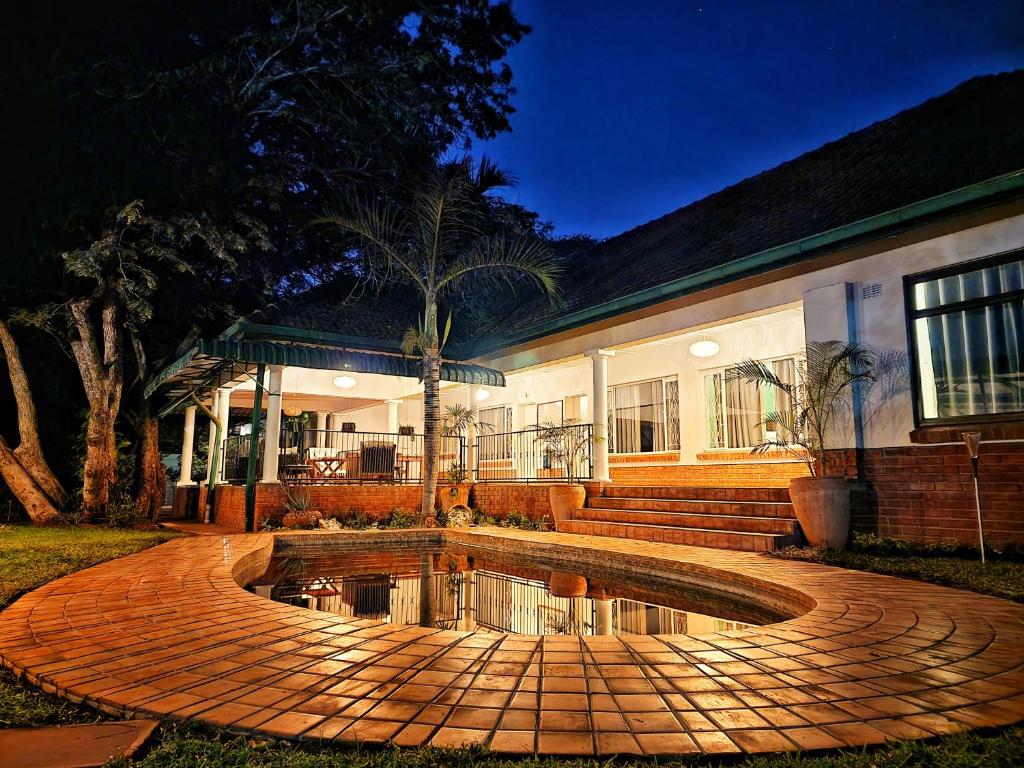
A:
x: 786, y: 525
x: 694, y: 493
x: 698, y: 537
x: 695, y: 506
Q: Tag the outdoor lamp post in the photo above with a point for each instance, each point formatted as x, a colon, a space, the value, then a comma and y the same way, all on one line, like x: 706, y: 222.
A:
x: 973, y: 442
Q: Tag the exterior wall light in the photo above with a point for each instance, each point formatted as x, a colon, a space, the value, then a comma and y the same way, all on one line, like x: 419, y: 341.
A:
x: 704, y: 348
x: 482, y: 394
x: 344, y: 382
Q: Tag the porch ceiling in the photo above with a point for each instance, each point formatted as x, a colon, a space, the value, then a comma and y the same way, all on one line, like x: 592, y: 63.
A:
x: 243, y: 398
x: 222, y: 362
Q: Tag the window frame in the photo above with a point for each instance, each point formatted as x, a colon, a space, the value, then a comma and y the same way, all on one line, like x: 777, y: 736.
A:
x: 702, y: 373
x: 609, y: 416
x: 911, y: 315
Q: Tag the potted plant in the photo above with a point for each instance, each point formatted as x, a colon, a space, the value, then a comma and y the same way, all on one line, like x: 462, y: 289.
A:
x: 456, y: 421
x: 566, y: 445
x: 832, y: 375
x: 297, y: 505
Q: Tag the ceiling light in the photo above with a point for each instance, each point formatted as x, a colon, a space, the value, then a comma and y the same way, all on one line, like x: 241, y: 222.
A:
x: 291, y: 411
x: 704, y: 348
x: 344, y: 382
x: 482, y: 394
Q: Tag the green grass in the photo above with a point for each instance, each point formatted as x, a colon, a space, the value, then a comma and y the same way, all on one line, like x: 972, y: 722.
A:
x: 29, y: 557
x: 999, y: 576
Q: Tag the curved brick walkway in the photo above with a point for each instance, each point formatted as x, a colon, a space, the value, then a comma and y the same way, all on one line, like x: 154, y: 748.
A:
x: 168, y: 631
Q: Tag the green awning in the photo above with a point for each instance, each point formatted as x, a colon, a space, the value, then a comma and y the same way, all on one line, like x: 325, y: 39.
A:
x: 222, y: 362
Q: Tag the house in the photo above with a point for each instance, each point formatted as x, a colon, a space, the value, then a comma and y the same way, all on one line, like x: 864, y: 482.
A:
x: 907, y: 236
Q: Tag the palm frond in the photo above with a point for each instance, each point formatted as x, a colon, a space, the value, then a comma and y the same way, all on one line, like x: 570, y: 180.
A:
x: 497, y: 261
x: 758, y: 373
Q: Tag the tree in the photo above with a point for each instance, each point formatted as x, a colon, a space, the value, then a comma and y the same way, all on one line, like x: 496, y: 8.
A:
x: 445, y: 243
x: 226, y: 117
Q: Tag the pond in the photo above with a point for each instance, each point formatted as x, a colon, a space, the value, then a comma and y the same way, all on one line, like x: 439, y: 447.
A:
x: 475, y: 589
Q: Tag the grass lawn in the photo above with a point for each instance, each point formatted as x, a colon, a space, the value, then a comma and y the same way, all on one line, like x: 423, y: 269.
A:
x: 29, y: 557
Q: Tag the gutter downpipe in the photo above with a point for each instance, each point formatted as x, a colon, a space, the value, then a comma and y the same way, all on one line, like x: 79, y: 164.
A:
x: 214, y: 459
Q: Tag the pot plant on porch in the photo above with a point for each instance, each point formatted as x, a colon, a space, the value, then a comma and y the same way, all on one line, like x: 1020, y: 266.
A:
x: 566, y: 445
x: 809, y: 411
x: 455, y: 423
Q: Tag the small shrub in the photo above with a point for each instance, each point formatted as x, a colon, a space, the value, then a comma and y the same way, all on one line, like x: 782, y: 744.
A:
x: 479, y: 518
x: 398, y: 518
x: 121, y: 511
x: 355, y: 519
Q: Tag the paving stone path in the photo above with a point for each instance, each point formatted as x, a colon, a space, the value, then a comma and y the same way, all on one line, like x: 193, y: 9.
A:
x: 169, y: 632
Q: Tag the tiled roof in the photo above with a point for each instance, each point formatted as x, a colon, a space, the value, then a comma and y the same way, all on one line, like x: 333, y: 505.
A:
x: 972, y: 133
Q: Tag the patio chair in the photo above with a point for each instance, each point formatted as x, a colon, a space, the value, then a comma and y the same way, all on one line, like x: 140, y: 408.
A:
x: 377, y: 460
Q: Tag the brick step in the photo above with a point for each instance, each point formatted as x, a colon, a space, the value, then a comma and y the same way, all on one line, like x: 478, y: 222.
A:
x: 696, y: 506
x: 698, y: 537
x: 694, y: 493
x: 786, y: 526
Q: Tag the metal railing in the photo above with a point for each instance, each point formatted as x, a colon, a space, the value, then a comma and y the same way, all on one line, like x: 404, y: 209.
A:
x: 539, y: 454
x: 334, y: 457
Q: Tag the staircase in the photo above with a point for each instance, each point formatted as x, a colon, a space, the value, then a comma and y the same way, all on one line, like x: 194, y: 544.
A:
x: 750, y: 519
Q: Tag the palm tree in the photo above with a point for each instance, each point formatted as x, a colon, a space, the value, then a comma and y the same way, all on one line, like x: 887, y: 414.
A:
x: 831, y: 377
x: 446, y: 242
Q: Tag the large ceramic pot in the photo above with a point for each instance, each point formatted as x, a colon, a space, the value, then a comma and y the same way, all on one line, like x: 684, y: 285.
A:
x: 566, y: 501
x: 822, y: 505
x: 564, y: 584
x: 453, y: 496
x: 301, y: 518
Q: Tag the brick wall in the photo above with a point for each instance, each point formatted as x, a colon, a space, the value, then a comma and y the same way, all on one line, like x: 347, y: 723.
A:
x: 765, y: 474
x: 497, y: 500
x: 375, y: 500
x: 926, y: 492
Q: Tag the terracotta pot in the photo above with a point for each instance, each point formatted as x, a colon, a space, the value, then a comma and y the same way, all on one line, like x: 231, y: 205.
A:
x: 822, y: 505
x: 446, y: 499
x: 567, y: 584
x: 566, y: 501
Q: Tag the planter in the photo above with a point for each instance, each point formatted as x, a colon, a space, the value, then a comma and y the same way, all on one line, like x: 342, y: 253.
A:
x: 567, y: 585
x: 566, y: 501
x: 306, y: 518
x: 446, y: 499
x: 822, y: 505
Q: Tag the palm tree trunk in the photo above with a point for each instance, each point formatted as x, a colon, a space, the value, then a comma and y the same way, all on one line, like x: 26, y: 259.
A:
x: 431, y: 407
x: 426, y: 591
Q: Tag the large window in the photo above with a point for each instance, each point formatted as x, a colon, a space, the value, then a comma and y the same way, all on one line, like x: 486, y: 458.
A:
x: 735, y: 410
x: 967, y: 338
x: 643, y: 417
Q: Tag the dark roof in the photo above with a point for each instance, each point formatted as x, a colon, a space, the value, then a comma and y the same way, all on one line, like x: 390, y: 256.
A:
x: 970, y: 134
x: 973, y: 133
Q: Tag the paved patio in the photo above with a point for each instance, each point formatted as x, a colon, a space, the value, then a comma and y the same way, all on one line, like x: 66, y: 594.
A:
x: 169, y: 632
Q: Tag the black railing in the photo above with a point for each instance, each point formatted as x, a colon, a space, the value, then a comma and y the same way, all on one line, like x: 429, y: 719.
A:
x: 328, y: 456
x: 236, y: 458
x: 555, y: 453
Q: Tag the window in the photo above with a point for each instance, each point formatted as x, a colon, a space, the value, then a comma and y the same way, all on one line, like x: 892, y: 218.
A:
x: 967, y: 339
x: 735, y: 410
x: 549, y: 413
x: 644, y: 417
x: 494, y: 433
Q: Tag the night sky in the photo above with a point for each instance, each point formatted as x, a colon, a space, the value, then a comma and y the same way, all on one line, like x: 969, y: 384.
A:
x: 628, y: 110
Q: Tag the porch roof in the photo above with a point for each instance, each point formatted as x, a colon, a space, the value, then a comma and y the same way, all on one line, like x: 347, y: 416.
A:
x: 220, y: 362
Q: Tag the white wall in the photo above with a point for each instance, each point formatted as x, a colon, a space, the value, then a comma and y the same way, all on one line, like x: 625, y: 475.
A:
x: 880, y: 320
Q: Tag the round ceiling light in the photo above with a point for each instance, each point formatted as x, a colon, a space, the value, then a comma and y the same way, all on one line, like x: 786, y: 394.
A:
x: 482, y: 394
x: 344, y: 382
x: 291, y: 411
x: 704, y: 348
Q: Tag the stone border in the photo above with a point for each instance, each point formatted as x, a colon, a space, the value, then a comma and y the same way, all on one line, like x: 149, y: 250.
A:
x: 169, y: 632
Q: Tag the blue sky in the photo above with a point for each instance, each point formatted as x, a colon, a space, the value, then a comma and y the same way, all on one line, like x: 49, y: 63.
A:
x: 628, y: 110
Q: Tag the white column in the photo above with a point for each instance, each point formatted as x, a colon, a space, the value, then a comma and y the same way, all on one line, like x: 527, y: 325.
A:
x: 224, y: 414
x: 599, y: 397
x: 187, y: 443
x: 321, y: 429
x: 272, y: 432
x: 393, y: 416
x: 603, y: 617
x: 468, y: 601
x: 471, y: 437
x: 213, y: 434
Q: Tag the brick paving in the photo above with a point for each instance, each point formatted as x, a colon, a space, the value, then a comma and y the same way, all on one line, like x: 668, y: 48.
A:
x: 168, y: 632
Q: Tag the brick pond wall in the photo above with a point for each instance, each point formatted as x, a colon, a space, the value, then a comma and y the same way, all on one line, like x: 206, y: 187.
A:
x: 926, y: 492
x: 497, y: 500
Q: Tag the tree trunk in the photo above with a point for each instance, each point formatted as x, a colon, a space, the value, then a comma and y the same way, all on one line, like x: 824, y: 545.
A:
x: 25, y: 489
x: 431, y: 423
x: 101, y: 367
x: 152, y: 477
x: 29, y: 452
x: 426, y: 591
